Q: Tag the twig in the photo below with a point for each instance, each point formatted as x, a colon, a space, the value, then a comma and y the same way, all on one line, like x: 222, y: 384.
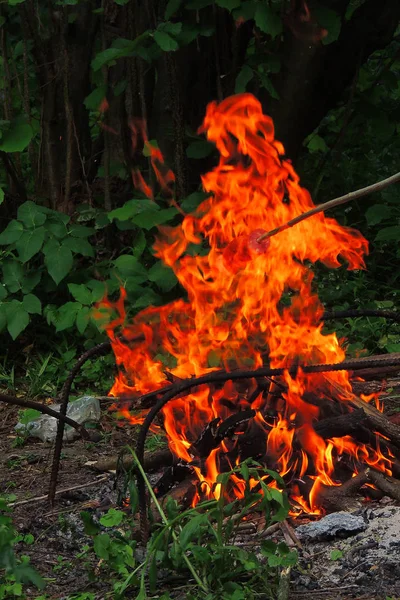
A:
x: 376, y: 187
x: 59, y: 492
x: 284, y: 583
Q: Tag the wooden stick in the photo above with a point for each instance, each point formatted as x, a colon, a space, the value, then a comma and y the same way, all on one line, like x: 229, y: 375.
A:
x: 69, y: 489
x: 376, y: 187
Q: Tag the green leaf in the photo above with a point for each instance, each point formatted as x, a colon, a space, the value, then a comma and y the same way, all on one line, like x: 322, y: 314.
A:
x: 90, y: 527
x: 132, y: 208
x: 336, y: 554
x: 163, y: 276
x: 17, y: 318
x: 57, y: 228
x: 15, y: 2
x: 28, y: 415
x: 79, y: 246
x: 112, y: 518
x: 165, y: 41
x: 330, y: 20
x: 246, y: 10
x: 3, y: 292
x: 101, y: 544
x: 1, y: 195
x: 31, y: 304
x: 172, y: 7
x: 139, y: 244
x: 267, y: 20
x: 95, y: 98
x: 11, y: 233
x: 388, y: 234
x: 13, y: 275
x: 228, y: 4
x: 191, y: 529
x: 30, y: 281
x: 80, y: 293
x: 245, y: 75
x: 30, y: 243
x: 170, y: 28
x: 17, y: 138
x: 66, y: 315
x: 129, y: 265
x: 81, y: 231
x: 82, y: 319
x: 317, y: 144
x: 149, y: 219
x: 31, y: 214
x: 192, y: 201
x: 98, y: 289
x: 58, y: 260
x: 199, y: 149
x: 377, y: 213
x: 105, y: 57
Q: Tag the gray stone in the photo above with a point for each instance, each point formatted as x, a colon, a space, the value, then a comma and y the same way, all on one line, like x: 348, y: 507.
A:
x: 339, y: 524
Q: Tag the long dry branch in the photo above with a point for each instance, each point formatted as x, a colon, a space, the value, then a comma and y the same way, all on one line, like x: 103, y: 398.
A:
x: 376, y: 187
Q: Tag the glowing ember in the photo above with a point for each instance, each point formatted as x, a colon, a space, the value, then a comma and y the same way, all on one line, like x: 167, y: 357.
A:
x: 249, y: 302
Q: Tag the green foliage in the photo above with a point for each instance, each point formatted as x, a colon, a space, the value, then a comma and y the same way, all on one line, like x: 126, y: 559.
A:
x: 198, y: 543
x: 14, y: 571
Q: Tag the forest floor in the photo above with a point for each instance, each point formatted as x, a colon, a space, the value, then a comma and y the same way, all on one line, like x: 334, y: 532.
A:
x: 59, y: 536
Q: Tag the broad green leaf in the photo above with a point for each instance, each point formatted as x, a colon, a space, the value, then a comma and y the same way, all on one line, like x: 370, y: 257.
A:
x: 98, y: 289
x: 105, y: 57
x: 199, y: 149
x: 112, y: 518
x: 17, y: 318
x: 82, y: 319
x: 149, y: 219
x: 129, y: 265
x: 66, y: 315
x: 228, y: 4
x: 132, y: 208
x: 13, y: 275
x: 79, y: 246
x: 192, y: 201
x: 148, y: 298
x: 267, y: 20
x: 17, y: 138
x: 58, y: 260
x: 15, y: 2
x: 388, y: 234
x: 245, y: 75
x: 3, y: 319
x: 30, y: 243
x: 30, y: 281
x: 57, y: 228
x: 11, y: 233
x: 163, y: 276
x: 382, y: 127
x: 317, y: 144
x: 3, y: 292
x: 101, y: 544
x: 80, y: 293
x: 31, y: 304
x: 28, y: 415
x: 330, y: 20
x: 31, y: 214
x: 90, y: 527
x: 191, y: 529
x: 170, y: 28
x: 1, y: 195
x: 336, y: 554
x: 95, y: 98
x: 81, y: 231
x: 378, y: 213
x: 139, y: 244
x: 172, y: 7
x: 147, y: 150
x: 165, y: 41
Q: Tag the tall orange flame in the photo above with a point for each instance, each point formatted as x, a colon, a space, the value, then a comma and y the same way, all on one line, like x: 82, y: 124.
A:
x: 246, y: 305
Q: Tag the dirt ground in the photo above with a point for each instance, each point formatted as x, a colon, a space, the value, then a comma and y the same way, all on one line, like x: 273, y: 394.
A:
x: 58, y: 532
